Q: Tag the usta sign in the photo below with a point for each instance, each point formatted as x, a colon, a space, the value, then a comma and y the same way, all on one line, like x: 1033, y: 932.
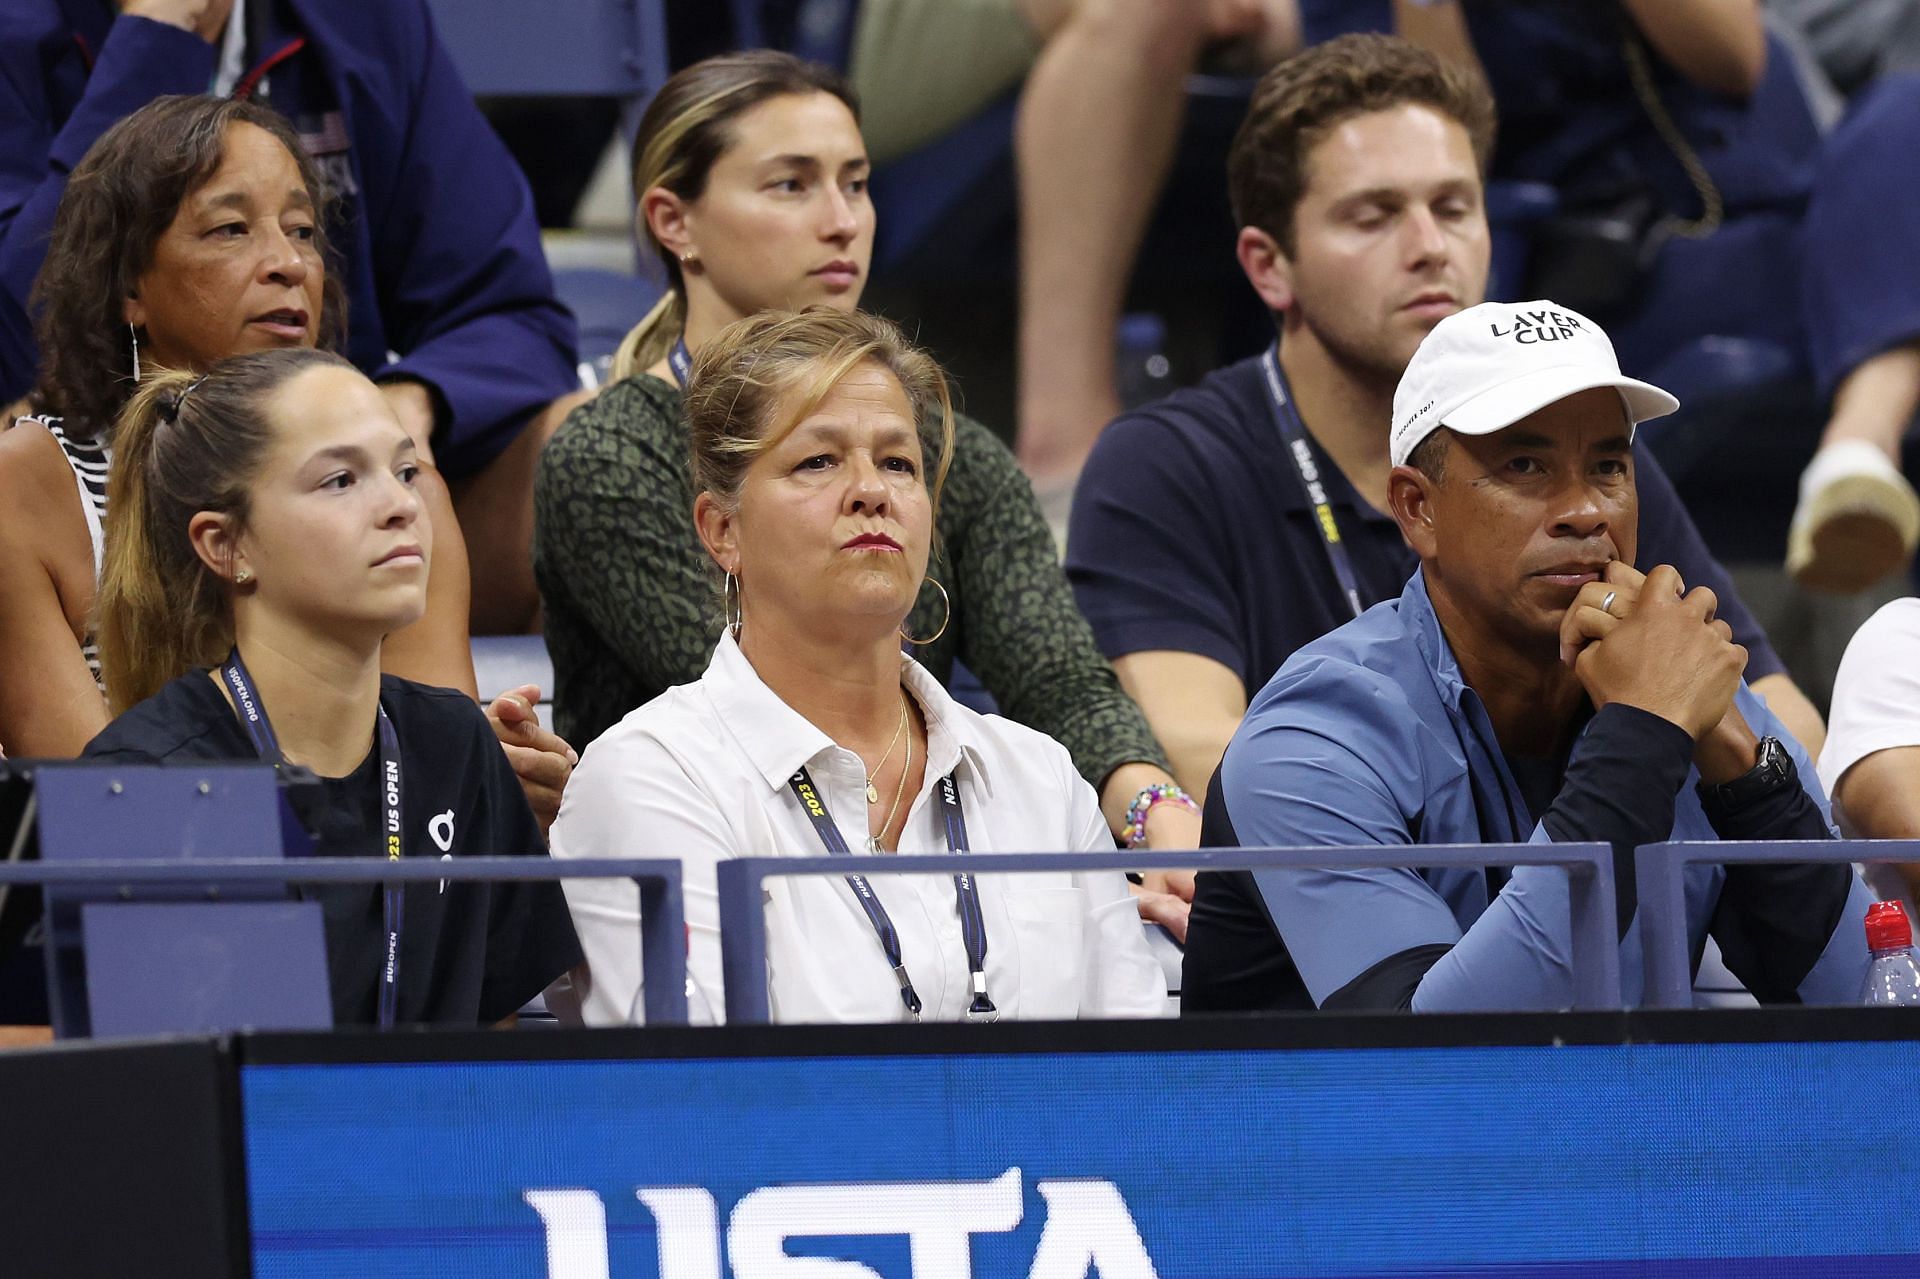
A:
x: 1088, y: 1225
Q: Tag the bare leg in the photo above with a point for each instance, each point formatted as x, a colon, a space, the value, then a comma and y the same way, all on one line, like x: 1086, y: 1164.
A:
x: 496, y: 514
x: 1097, y: 125
x: 1858, y: 518
x: 1876, y: 402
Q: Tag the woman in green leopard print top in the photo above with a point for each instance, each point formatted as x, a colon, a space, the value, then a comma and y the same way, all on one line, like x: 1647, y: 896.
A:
x: 753, y: 182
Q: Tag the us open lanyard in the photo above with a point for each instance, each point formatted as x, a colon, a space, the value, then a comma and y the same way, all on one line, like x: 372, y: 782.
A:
x: 1293, y: 433
x: 680, y: 362
x: 973, y: 926
x: 253, y: 717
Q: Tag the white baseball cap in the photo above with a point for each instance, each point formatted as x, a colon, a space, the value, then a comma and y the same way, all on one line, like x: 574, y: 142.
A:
x: 1483, y: 369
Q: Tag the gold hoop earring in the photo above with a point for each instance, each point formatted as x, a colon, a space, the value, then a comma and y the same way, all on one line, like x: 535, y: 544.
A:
x: 945, y: 617
x: 731, y: 611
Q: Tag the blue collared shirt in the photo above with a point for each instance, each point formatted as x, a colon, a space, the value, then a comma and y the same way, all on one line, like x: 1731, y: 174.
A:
x: 1370, y: 735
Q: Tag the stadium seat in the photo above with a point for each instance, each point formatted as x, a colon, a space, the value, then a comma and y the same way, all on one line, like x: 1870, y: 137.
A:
x: 606, y: 304
x: 561, y: 48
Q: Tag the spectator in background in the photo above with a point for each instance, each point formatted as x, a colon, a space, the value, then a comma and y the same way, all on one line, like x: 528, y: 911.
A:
x: 1527, y: 685
x: 1211, y: 528
x: 1746, y: 224
x: 820, y: 444
x: 1102, y: 94
x: 200, y: 223
x: 751, y: 176
x: 266, y: 524
x: 1871, y: 764
x: 438, y: 250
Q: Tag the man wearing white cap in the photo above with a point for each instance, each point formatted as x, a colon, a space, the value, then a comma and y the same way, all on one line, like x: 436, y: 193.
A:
x: 1528, y: 684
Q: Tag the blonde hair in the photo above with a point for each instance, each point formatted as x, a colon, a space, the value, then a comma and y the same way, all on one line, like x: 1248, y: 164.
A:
x: 788, y: 362
x: 185, y: 443
x: 686, y: 128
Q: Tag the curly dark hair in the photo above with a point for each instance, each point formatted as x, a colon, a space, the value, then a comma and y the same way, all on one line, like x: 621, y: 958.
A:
x: 119, y: 200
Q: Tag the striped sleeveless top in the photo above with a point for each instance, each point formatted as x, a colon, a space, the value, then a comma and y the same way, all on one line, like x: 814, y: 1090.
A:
x: 89, y: 462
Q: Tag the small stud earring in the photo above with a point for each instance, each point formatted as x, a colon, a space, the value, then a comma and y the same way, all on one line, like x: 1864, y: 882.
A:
x: 242, y: 577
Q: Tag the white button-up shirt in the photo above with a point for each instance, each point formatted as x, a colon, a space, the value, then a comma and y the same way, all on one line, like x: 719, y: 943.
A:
x: 700, y: 773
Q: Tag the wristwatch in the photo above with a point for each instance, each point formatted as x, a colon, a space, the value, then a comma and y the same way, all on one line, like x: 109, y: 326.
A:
x: 1773, y: 772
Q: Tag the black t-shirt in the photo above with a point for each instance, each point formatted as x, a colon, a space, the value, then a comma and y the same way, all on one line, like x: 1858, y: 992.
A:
x: 1192, y: 532
x: 470, y: 953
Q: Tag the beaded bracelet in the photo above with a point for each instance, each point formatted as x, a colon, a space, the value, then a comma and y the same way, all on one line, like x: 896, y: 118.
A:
x: 1135, y: 831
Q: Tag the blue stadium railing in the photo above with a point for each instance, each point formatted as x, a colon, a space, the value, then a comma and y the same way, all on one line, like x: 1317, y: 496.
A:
x: 662, y: 938
x: 1596, y: 952
x: 1660, y: 884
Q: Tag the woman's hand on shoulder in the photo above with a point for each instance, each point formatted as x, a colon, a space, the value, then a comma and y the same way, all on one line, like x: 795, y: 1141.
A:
x: 541, y: 759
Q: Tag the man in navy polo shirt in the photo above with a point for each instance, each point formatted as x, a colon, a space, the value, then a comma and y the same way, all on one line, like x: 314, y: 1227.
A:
x: 1197, y: 547
x: 1527, y: 685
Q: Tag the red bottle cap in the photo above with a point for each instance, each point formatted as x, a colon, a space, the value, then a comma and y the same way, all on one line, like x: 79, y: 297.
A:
x: 1887, y: 927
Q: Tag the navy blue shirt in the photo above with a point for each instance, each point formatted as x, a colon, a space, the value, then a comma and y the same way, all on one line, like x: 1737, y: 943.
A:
x: 1191, y: 531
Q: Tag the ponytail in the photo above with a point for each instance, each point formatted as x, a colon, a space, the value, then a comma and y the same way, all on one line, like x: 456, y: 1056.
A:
x: 648, y: 342
x: 184, y: 444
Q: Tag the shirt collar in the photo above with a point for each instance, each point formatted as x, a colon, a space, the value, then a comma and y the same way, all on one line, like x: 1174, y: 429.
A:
x: 778, y: 740
x: 233, y: 51
x: 1416, y: 612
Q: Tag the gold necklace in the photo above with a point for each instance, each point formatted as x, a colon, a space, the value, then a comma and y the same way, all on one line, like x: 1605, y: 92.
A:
x: 900, y: 788
x: 873, y: 792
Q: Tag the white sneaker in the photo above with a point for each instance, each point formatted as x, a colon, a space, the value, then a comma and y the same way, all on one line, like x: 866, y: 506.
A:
x: 1858, y: 520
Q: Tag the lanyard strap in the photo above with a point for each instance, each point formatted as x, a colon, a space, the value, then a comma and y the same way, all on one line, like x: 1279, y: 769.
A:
x: 1293, y: 433
x: 973, y: 926
x: 680, y: 362
x: 253, y: 717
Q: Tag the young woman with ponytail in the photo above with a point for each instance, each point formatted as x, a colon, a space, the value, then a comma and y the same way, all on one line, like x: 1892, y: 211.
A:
x: 267, y: 538
x: 751, y: 178
x: 194, y: 229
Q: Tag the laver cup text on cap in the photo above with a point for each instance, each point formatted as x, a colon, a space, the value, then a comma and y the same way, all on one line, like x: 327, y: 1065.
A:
x: 1538, y: 326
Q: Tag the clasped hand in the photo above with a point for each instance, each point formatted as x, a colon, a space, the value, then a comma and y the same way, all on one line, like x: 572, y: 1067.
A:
x: 1658, y: 646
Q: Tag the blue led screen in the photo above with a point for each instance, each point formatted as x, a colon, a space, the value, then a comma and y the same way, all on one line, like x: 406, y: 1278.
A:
x: 1730, y: 1159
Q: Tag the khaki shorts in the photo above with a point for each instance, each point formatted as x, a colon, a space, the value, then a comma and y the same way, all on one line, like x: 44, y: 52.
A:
x: 922, y: 67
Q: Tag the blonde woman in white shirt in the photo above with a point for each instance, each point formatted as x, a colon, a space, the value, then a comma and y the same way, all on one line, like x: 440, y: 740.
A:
x: 819, y: 443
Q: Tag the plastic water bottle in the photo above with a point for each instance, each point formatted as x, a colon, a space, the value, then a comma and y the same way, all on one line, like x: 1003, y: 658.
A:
x: 1892, y: 975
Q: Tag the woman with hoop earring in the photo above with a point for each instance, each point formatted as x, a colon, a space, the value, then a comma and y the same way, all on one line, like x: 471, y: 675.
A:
x: 751, y: 181
x: 820, y: 441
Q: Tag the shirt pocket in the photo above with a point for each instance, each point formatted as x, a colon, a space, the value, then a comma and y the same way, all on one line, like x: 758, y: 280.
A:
x: 1049, y: 932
